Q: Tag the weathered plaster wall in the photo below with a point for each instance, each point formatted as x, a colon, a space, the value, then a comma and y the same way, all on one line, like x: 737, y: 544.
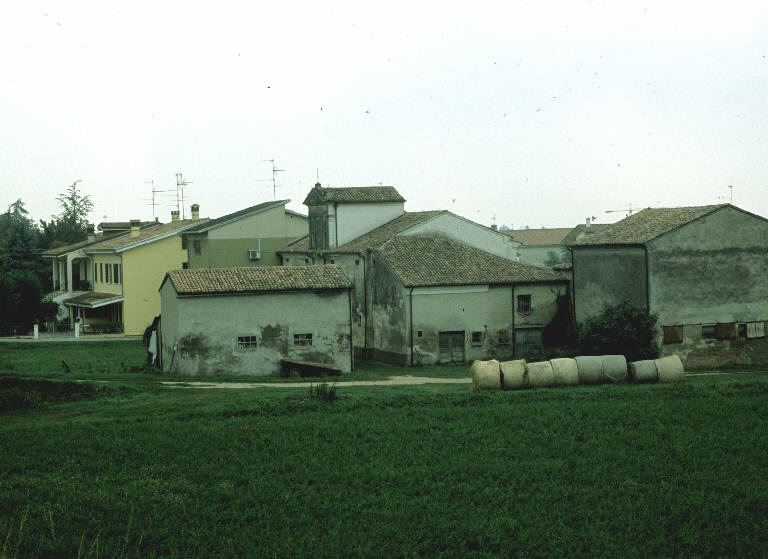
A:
x: 388, y: 314
x: 537, y: 255
x: 352, y: 220
x: 605, y: 276
x: 465, y: 231
x: 354, y: 266
x: 697, y: 352
x: 204, y: 331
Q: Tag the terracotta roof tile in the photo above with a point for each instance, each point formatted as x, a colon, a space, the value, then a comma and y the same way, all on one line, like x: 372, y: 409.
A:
x: 646, y: 225
x: 147, y: 234
x: 319, y: 194
x: 209, y: 281
x: 431, y: 261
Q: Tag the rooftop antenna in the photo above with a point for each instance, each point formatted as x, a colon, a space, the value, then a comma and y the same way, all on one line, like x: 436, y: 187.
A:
x: 317, y: 175
x: 629, y: 210
x: 730, y: 194
x: 275, y: 170
x: 180, y: 184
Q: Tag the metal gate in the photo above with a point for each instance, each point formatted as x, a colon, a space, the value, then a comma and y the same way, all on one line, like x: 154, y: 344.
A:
x: 451, y: 347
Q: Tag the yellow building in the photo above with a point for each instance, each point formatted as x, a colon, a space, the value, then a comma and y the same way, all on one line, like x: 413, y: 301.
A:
x: 125, y: 272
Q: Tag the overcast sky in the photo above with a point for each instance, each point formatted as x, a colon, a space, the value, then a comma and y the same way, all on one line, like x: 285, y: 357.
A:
x: 537, y: 113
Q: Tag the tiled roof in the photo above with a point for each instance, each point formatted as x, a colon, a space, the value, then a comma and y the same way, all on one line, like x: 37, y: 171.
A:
x: 534, y: 237
x: 123, y: 225
x: 581, y: 231
x: 646, y: 225
x: 211, y: 223
x: 145, y: 235
x: 209, y: 281
x: 372, y: 239
x: 58, y: 251
x: 432, y: 261
x: 319, y: 194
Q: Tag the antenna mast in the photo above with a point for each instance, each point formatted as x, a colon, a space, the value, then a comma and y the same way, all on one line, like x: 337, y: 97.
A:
x: 180, y: 184
x: 275, y: 170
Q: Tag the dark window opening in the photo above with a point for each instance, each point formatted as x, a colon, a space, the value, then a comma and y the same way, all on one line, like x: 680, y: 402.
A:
x: 196, y: 247
x: 246, y: 343
x: 117, y: 273
x: 357, y: 262
x: 332, y: 262
x: 477, y: 338
x: 709, y: 331
x: 673, y: 334
x: 183, y: 243
x: 503, y: 336
x: 419, y: 333
x: 302, y: 339
x: 523, y: 304
x: 185, y: 265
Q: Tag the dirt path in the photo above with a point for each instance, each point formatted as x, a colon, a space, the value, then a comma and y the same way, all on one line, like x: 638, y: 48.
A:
x: 392, y: 381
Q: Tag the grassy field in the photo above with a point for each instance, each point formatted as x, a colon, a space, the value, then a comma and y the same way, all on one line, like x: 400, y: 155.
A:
x: 132, y: 469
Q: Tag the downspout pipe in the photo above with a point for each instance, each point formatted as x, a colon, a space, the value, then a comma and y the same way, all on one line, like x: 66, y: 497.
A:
x: 364, y: 258
x: 351, y: 342
x: 411, y: 321
x: 514, y: 332
x: 647, y: 281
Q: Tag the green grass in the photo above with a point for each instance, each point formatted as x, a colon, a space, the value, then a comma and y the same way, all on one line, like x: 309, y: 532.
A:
x: 655, y: 470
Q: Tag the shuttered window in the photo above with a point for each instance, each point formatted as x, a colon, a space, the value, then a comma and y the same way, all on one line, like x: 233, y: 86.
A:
x: 673, y: 334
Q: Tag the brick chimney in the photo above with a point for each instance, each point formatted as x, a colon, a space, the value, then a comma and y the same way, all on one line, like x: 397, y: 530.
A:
x: 588, y: 224
x: 91, y: 233
x: 135, y: 227
x: 494, y: 227
x: 174, y: 215
x: 195, y: 212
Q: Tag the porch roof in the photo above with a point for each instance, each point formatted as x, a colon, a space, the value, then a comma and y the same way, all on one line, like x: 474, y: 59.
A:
x: 94, y: 299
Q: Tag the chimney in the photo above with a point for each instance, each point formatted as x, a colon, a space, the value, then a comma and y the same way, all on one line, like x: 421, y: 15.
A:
x: 174, y: 215
x: 195, y: 211
x: 91, y: 234
x: 494, y: 227
x: 135, y: 227
x: 589, y: 224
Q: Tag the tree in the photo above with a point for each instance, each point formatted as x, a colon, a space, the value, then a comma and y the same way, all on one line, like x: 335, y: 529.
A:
x: 71, y: 225
x: 621, y: 330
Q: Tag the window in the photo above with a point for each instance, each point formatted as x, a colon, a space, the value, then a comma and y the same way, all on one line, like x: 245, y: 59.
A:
x: 246, y: 343
x: 531, y: 336
x: 185, y: 265
x: 196, y: 247
x: 503, y: 336
x: 302, y: 339
x: 419, y: 333
x: 117, y: 273
x: 101, y: 272
x: 755, y: 329
x: 523, y: 304
x: 357, y: 262
x: 726, y: 331
x: 332, y: 262
x: 183, y: 243
x: 477, y: 338
x: 108, y: 273
x: 709, y: 331
x: 673, y: 334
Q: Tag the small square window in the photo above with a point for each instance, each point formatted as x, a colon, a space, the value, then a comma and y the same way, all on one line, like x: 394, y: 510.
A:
x: 357, y: 262
x: 246, y: 343
x: 523, y: 304
x: 709, y: 331
x: 185, y: 265
x: 673, y: 334
x: 196, y: 247
x: 477, y: 338
x: 503, y: 336
x: 332, y: 262
x: 419, y: 333
x: 183, y: 243
x: 302, y: 339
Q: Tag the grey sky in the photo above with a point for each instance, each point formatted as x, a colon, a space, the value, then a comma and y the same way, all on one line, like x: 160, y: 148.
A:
x: 540, y: 113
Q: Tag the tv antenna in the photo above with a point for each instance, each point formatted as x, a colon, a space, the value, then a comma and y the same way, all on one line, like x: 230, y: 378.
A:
x: 730, y: 194
x: 180, y: 184
x: 152, y: 201
x: 629, y: 210
x: 275, y: 170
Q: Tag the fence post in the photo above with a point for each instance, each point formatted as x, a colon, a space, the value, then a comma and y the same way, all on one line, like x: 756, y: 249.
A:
x: 36, y: 330
x: 77, y: 328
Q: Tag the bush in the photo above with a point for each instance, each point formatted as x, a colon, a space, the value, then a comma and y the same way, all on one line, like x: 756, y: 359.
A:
x: 322, y: 392
x: 621, y: 330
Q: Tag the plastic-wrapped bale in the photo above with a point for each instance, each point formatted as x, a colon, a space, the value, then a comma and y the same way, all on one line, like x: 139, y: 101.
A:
x: 514, y: 375
x: 670, y: 369
x: 643, y: 371
x: 486, y: 375
x: 540, y: 374
x: 590, y: 369
x: 565, y: 370
x: 614, y: 368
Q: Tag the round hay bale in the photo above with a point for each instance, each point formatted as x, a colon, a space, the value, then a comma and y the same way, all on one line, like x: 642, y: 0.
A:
x: 670, y: 369
x: 514, y: 375
x: 643, y: 371
x: 565, y: 370
x: 590, y: 369
x: 486, y: 375
x: 540, y: 374
x: 614, y: 368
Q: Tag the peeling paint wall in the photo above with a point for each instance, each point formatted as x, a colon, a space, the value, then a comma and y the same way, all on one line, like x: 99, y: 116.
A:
x: 604, y: 276
x: 354, y: 267
x: 388, y: 314
x: 698, y: 352
x: 200, y: 334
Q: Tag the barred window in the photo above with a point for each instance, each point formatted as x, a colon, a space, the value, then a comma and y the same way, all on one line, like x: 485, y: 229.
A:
x: 302, y: 339
x: 523, y: 304
x: 246, y: 343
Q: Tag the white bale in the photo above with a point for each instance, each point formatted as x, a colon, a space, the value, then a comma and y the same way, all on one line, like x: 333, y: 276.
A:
x: 540, y: 374
x: 486, y: 375
x: 670, y: 369
x: 614, y: 368
x: 590, y: 369
x: 514, y: 375
x: 643, y: 371
x: 565, y: 370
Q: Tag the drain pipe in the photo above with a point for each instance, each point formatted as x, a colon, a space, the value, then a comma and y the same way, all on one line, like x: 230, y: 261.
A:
x: 514, y: 333
x: 411, y: 317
